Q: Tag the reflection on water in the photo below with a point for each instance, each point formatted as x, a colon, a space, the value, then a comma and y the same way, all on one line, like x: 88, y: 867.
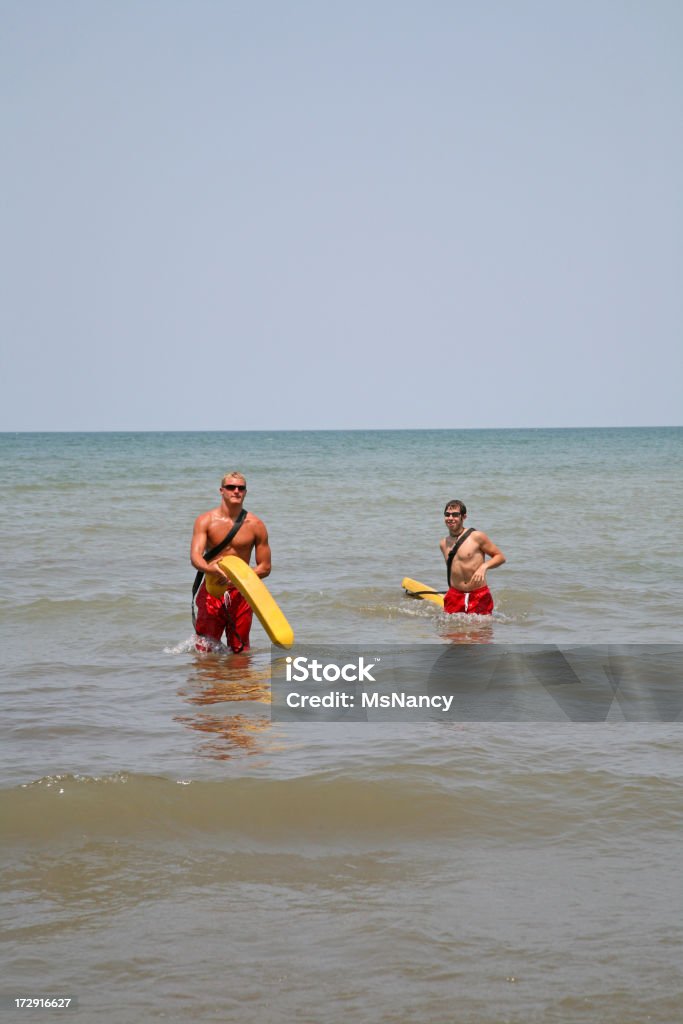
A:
x: 216, y: 679
x: 467, y: 629
x: 230, y: 735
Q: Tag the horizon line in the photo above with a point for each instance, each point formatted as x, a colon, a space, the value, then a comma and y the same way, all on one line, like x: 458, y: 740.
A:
x: 329, y: 430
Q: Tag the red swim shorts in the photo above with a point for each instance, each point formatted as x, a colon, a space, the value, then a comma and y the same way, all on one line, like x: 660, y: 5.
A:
x: 230, y: 613
x: 478, y: 602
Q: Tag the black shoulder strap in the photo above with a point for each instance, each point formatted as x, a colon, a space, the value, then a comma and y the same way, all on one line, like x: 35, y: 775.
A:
x: 211, y: 554
x: 453, y: 552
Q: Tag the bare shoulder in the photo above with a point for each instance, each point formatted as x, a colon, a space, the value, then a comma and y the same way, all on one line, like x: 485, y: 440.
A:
x: 486, y: 545
x: 258, y: 524
x: 443, y: 545
x: 482, y: 540
x: 204, y: 518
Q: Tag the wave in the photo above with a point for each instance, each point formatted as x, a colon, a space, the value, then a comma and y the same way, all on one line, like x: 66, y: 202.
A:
x: 95, y: 603
x: 325, y: 806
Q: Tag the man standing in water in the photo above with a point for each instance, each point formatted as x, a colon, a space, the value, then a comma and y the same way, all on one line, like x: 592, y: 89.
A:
x: 465, y: 552
x: 220, y: 606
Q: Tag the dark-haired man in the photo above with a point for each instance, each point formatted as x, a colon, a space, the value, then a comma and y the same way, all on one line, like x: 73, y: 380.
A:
x: 465, y: 552
x: 220, y: 606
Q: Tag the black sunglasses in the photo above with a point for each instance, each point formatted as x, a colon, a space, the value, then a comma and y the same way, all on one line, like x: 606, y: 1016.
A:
x: 452, y: 515
x: 233, y: 487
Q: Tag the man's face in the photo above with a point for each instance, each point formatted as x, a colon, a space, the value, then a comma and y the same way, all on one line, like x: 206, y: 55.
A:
x: 454, y: 520
x: 233, y: 490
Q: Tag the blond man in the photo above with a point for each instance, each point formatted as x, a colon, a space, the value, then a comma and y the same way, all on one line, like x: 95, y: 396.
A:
x: 221, y: 608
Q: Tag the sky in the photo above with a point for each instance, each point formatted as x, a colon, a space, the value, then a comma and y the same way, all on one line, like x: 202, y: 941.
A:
x: 334, y: 214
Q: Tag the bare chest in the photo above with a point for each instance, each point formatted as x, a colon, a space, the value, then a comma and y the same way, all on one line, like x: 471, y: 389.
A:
x: 241, y: 544
x: 467, y: 553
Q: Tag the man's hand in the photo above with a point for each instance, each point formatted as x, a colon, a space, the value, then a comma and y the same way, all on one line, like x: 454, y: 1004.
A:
x: 479, y: 576
x: 216, y: 568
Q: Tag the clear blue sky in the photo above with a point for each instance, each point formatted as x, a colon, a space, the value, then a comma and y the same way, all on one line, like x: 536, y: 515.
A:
x: 285, y: 214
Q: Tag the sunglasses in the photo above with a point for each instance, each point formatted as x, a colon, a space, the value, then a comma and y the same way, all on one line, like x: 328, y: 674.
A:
x: 452, y: 515
x: 233, y: 487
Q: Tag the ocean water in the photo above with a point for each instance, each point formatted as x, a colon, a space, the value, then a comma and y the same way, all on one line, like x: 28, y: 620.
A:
x: 169, y: 852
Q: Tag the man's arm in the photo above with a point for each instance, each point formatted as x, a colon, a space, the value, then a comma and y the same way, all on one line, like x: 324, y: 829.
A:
x: 200, y: 540
x: 261, y: 551
x: 496, y: 558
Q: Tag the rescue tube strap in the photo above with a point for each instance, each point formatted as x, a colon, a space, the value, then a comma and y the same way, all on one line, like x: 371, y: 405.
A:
x: 210, y: 555
x: 418, y: 593
x: 227, y: 604
x: 454, y: 550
